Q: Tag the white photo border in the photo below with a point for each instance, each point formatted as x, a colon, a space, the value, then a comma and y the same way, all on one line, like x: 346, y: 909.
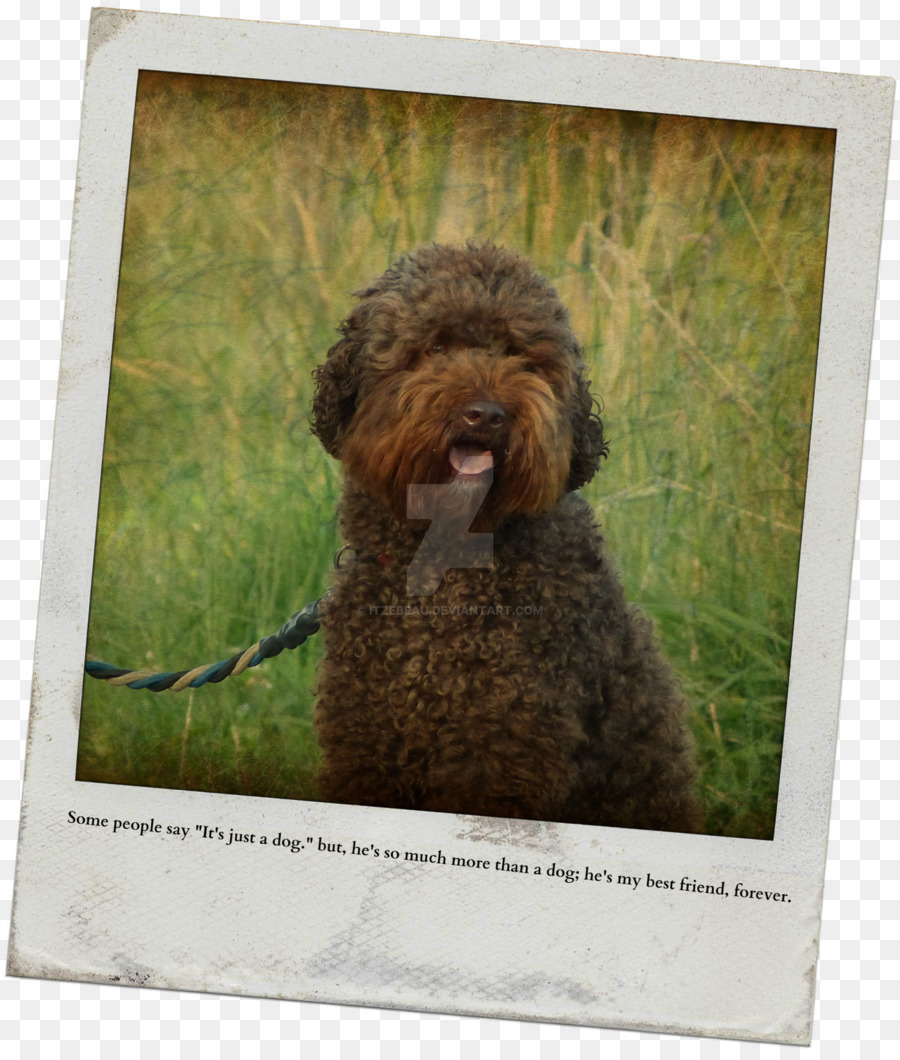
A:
x: 98, y: 909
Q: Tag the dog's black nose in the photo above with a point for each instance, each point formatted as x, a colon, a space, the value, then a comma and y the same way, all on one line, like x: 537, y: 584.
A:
x: 484, y: 414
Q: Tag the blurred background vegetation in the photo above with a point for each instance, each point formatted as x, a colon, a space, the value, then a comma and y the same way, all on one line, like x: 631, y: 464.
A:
x: 691, y: 254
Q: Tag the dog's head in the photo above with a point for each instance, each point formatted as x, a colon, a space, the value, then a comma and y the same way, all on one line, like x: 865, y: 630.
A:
x: 458, y: 365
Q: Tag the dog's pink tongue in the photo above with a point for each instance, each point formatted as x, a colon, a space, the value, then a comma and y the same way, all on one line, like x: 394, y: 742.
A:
x: 470, y: 459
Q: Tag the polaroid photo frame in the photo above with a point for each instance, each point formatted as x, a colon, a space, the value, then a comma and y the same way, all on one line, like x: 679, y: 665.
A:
x: 124, y: 876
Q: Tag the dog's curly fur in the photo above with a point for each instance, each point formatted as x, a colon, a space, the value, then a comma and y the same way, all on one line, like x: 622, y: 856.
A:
x: 526, y: 688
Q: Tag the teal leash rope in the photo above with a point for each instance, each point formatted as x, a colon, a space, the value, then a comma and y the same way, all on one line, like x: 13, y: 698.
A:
x: 298, y: 628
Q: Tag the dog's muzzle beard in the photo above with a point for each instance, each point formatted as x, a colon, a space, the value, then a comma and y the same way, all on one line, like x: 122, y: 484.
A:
x: 504, y: 438
x: 463, y: 490
x: 477, y: 439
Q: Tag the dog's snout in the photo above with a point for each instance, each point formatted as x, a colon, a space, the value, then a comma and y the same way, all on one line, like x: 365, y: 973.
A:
x: 484, y: 414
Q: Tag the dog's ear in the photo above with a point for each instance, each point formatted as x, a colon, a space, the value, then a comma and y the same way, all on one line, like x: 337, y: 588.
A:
x: 588, y: 443
x: 334, y: 402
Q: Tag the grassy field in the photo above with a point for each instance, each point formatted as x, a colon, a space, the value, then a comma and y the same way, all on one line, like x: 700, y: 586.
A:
x: 691, y: 255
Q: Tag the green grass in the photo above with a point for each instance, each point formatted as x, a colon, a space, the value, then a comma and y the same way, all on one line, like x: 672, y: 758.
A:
x: 691, y: 256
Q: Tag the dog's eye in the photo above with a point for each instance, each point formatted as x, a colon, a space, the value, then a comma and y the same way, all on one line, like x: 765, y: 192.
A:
x: 436, y: 349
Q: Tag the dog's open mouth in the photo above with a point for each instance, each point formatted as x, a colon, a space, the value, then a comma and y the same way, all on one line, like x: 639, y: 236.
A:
x: 470, y: 459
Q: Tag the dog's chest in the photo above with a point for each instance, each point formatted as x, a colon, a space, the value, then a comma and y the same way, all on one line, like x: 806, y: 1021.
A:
x: 499, y: 635
x: 521, y: 633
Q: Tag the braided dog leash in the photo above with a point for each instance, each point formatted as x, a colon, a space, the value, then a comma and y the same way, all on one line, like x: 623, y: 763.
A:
x: 300, y: 626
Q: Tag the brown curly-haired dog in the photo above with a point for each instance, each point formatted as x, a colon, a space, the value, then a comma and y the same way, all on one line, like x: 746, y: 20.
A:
x: 524, y: 686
